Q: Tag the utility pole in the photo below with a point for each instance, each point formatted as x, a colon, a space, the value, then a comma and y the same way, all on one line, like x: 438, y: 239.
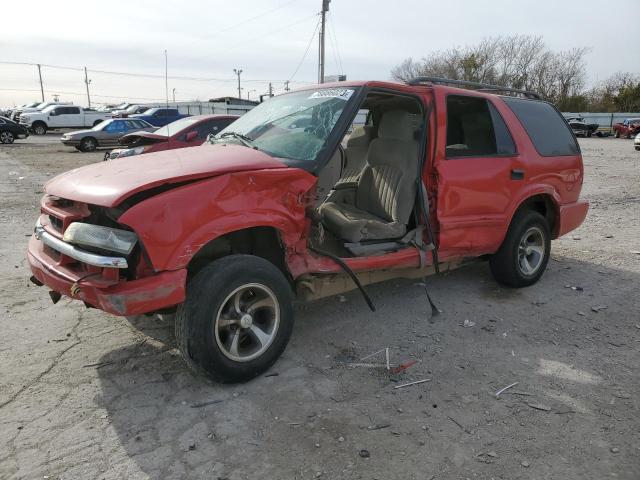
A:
x: 323, y: 14
x: 174, y: 95
x: 238, y: 72
x: 87, y: 82
x: 41, y: 87
x: 270, y: 89
x: 249, y: 93
x: 286, y: 86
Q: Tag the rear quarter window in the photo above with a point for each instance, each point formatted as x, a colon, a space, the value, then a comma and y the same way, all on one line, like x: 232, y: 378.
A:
x: 547, y: 129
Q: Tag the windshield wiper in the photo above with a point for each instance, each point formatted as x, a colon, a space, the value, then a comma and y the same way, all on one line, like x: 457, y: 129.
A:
x: 246, y: 141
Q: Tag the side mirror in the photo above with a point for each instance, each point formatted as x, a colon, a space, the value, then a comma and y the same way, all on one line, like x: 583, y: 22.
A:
x: 191, y: 136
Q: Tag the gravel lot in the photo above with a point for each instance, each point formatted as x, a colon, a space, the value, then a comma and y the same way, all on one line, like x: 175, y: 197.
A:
x: 87, y: 395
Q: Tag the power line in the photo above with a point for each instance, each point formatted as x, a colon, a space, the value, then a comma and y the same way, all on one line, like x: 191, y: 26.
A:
x: 334, y: 43
x: 260, y: 15
x: 313, y: 35
x: 149, y: 75
x: 76, y: 93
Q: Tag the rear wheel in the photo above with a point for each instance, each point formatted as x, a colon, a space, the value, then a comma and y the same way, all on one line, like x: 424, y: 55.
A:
x: 524, y: 254
x: 6, y: 137
x: 88, y: 144
x: 39, y: 128
x: 236, y: 320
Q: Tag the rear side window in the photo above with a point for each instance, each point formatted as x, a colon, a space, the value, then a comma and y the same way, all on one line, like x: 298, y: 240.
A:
x: 476, y: 129
x: 547, y: 129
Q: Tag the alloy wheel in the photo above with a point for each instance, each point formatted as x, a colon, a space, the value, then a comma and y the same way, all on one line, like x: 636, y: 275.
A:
x: 247, y: 322
x: 6, y: 137
x: 531, y: 250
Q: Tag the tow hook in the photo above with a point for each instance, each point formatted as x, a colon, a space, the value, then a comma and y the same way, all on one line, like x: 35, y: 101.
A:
x: 35, y: 281
x: 55, y: 296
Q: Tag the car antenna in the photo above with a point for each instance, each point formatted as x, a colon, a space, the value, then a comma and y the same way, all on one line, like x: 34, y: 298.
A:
x: 166, y: 91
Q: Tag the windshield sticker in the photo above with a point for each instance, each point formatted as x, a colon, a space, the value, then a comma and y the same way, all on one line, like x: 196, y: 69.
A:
x: 343, y: 93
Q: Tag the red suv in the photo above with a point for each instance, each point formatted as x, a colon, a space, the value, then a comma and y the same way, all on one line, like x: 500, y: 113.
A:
x: 186, y: 132
x: 311, y: 194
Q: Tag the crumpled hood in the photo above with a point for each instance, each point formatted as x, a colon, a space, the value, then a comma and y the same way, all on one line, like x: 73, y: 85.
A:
x: 109, y: 183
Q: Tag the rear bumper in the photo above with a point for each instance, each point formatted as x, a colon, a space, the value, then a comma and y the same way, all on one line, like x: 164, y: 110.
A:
x: 124, y: 298
x: 571, y: 216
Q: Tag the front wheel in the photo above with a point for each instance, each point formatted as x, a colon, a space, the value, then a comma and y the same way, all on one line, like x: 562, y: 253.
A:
x: 236, y: 320
x: 88, y: 144
x: 6, y: 137
x: 524, y: 254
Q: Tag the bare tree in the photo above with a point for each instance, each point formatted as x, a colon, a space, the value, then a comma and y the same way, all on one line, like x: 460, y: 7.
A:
x: 518, y: 61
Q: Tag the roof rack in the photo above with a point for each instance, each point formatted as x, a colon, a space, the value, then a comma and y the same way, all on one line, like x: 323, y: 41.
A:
x: 486, y: 87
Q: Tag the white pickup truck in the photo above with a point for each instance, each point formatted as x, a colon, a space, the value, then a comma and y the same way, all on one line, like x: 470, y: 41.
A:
x: 61, y: 116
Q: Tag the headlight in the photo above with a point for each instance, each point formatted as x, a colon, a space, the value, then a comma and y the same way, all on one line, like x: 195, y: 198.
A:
x: 120, y: 241
x: 131, y: 151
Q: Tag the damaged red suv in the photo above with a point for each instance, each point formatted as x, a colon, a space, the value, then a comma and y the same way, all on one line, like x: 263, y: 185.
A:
x: 308, y: 195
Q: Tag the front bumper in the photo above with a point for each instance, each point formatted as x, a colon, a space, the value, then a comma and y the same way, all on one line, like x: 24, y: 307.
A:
x: 120, y: 297
x: 571, y: 216
x: 71, y: 142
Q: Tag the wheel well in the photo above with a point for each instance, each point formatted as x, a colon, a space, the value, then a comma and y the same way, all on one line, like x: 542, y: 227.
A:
x: 39, y: 122
x: 544, y: 205
x: 264, y: 242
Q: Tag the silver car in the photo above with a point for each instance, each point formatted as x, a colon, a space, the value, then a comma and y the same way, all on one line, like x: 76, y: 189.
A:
x: 105, y: 134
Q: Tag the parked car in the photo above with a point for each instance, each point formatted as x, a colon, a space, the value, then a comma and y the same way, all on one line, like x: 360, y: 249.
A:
x: 61, y: 116
x: 10, y: 130
x: 229, y: 233
x: 130, y: 109
x: 628, y: 128
x: 38, y: 108
x: 186, y: 132
x: 160, y: 116
x: 9, y: 112
x: 581, y: 128
x: 105, y: 134
x: 636, y: 142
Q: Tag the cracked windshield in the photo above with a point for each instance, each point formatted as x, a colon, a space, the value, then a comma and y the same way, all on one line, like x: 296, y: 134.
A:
x: 294, y: 126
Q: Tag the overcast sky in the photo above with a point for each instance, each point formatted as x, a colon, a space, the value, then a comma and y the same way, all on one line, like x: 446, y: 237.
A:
x: 267, y: 40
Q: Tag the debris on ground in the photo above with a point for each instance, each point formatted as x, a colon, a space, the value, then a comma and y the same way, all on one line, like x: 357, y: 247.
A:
x: 364, y: 453
x: 403, y: 366
x: 525, y: 464
x: 468, y: 323
x: 412, y: 383
x: 466, y: 430
x: 615, y: 450
x: 378, y: 427
x: 597, y: 308
x: 540, y: 406
x: 205, y: 404
x: 506, y: 388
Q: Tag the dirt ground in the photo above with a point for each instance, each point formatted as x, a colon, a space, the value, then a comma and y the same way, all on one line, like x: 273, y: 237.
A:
x: 88, y: 395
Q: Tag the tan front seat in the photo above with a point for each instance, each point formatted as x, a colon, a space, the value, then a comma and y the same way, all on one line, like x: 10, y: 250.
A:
x: 386, y: 189
x: 356, y: 151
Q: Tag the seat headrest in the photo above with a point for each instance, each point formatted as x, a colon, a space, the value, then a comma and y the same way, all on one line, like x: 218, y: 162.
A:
x: 399, y: 125
x: 360, y: 137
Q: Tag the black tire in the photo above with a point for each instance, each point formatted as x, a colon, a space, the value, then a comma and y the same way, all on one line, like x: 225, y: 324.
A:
x: 198, y: 334
x: 616, y: 134
x: 507, y: 265
x: 39, y: 128
x: 6, y: 137
x: 88, y: 144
